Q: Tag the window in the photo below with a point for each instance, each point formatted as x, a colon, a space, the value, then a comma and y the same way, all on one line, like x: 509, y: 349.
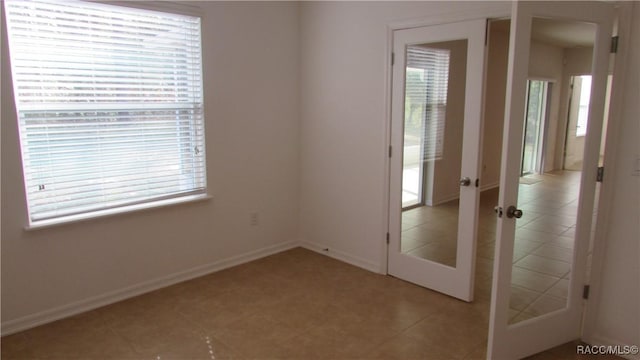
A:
x: 109, y: 103
x: 427, y: 81
x: 583, y: 105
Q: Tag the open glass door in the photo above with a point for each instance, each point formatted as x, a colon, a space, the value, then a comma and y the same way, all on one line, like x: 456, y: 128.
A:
x: 436, y: 127
x: 543, y: 230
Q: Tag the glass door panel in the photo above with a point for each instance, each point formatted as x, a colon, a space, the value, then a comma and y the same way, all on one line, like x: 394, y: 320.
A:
x: 544, y: 227
x: 435, y: 76
x: 436, y: 107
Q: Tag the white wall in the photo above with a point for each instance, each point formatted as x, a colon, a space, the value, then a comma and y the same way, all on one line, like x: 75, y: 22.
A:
x: 251, y: 65
x: 617, y: 309
x: 344, y: 125
x: 545, y: 63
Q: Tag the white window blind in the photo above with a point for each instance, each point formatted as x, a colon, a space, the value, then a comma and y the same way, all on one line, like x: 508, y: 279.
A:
x: 109, y: 103
x: 427, y: 83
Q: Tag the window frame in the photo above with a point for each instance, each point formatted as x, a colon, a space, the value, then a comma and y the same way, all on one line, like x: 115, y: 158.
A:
x: 135, y: 206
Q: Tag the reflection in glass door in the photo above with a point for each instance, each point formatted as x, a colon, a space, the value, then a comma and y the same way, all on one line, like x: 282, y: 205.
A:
x: 544, y: 238
x: 426, y: 84
x: 577, y: 121
x: 431, y: 231
x: 543, y: 230
x: 534, y: 123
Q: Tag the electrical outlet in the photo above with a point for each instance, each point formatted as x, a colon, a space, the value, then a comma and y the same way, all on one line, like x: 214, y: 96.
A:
x: 254, y: 219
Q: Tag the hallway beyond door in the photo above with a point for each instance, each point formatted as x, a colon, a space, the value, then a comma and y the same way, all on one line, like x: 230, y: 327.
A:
x: 543, y: 247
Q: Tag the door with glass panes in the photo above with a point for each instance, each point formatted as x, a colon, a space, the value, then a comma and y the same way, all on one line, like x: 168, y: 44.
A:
x: 552, y: 219
x: 436, y: 126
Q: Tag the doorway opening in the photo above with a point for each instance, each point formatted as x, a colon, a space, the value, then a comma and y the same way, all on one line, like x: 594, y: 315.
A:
x: 543, y: 252
x: 577, y: 121
x: 428, y: 223
x: 538, y: 99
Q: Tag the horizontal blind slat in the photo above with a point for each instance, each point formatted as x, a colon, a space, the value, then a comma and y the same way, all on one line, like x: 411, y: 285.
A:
x: 426, y: 89
x: 133, y: 180
x: 45, y: 173
x: 125, y: 18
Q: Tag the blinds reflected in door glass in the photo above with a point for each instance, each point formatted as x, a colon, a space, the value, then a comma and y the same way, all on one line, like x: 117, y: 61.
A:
x: 427, y: 77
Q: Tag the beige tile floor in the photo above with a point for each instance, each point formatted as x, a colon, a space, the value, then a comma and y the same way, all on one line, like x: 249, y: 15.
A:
x: 292, y: 305
x: 543, y: 242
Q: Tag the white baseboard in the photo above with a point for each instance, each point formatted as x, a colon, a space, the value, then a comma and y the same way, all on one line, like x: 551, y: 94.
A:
x: 47, y: 316
x: 598, y: 340
x: 451, y: 197
x: 445, y: 199
x: 342, y: 256
x: 493, y: 185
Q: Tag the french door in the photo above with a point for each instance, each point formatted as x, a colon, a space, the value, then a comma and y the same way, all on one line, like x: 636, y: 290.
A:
x: 435, y: 137
x: 559, y: 223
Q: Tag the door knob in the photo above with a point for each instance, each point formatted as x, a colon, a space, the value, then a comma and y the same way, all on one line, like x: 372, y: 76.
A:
x: 512, y: 212
x: 465, y: 181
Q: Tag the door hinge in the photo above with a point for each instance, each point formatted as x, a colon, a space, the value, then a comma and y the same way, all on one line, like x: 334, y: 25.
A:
x: 600, y: 174
x: 393, y: 58
x: 390, y: 150
x: 585, y: 292
x: 387, y: 238
x: 614, y: 44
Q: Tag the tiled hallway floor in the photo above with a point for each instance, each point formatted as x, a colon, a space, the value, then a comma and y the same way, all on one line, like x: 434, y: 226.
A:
x: 292, y: 305
x: 543, y: 243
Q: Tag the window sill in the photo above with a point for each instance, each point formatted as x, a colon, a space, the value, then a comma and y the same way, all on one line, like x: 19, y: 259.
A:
x: 43, y: 224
